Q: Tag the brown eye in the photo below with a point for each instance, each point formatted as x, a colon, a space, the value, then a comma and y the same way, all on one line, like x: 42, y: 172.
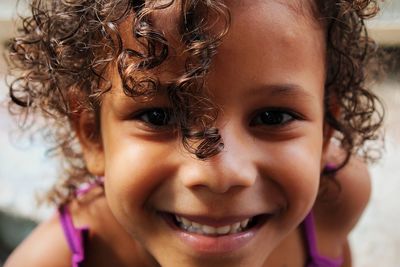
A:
x: 156, y: 117
x: 272, y: 117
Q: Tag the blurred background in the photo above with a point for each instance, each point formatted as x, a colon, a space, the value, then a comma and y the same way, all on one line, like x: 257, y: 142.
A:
x: 26, y: 172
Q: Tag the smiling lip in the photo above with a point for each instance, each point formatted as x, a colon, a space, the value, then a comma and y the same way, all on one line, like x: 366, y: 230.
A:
x: 215, y: 222
x: 215, y: 243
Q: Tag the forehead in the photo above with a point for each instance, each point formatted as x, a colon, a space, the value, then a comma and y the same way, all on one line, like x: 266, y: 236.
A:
x: 267, y: 38
x: 271, y: 42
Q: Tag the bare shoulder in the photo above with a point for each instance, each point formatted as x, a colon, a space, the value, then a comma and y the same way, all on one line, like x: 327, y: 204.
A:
x: 47, y: 246
x: 108, y: 245
x: 340, y: 207
x: 341, y: 211
x: 44, y: 247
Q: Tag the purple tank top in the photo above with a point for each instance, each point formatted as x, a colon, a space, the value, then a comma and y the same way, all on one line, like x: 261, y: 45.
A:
x: 76, y: 237
x: 314, y: 258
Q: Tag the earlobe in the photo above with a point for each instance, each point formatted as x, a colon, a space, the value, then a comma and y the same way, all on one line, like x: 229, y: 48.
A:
x: 88, y: 133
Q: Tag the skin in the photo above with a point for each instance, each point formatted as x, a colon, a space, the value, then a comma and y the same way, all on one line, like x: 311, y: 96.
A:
x: 278, y: 69
x: 263, y: 169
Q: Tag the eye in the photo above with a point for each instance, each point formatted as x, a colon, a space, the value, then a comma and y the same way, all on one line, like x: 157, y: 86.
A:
x: 273, y: 118
x: 157, y: 117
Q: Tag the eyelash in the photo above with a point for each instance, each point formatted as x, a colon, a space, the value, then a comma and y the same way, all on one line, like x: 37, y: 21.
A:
x: 269, y: 118
x: 157, y: 121
x: 274, y: 117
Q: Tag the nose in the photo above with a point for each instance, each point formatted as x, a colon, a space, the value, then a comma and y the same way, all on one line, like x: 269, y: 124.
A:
x: 234, y: 167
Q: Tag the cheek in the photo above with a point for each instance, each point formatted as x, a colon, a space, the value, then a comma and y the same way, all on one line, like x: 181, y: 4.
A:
x: 133, y: 170
x: 297, y: 173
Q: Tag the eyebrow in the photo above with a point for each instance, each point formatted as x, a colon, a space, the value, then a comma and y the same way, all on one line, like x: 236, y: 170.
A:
x: 288, y: 90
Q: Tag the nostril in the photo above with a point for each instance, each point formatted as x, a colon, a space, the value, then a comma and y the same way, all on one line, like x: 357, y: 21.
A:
x: 219, y: 174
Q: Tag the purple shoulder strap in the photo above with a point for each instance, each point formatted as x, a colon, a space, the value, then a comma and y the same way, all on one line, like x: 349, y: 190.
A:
x: 315, y: 259
x: 75, y: 237
x: 86, y: 187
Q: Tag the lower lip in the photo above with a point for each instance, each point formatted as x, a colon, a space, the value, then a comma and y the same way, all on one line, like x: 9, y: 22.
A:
x: 213, y: 245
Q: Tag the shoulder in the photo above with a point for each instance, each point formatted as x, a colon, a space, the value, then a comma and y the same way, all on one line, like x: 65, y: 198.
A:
x: 338, y: 209
x: 47, y: 245
x: 109, y: 243
x: 350, y: 194
x: 44, y: 247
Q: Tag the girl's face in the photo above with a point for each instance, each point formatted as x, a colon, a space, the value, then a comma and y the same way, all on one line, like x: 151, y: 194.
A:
x: 235, y: 208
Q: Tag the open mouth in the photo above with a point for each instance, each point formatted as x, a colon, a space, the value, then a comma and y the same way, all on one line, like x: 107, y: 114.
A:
x: 190, y: 226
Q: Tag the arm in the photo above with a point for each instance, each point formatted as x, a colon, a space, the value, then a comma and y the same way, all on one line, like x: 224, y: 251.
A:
x: 44, y: 247
x: 343, y: 210
x: 339, y: 213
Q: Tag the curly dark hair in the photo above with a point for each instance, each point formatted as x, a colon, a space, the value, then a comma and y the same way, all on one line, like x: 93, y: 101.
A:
x: 65, y: 47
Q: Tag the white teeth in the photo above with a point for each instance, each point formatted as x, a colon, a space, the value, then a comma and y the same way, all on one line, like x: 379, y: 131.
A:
x: 191, y: 229
x: 208, y: 230
x: 235, y: 227
x: 244, y: 223
x: 194, y: 227
x: 223, y: 230
x: 185, y: 222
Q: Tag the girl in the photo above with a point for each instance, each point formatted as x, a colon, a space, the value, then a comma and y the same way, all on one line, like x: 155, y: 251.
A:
x: 203, y: 130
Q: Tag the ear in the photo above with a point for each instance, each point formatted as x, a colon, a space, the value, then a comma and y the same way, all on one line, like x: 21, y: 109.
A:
x: 88, y: 132
x: 326, y: 146
x: 328, y: 133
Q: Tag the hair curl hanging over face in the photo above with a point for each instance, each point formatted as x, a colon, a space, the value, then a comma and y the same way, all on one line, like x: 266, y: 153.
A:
x: 66, y: 46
